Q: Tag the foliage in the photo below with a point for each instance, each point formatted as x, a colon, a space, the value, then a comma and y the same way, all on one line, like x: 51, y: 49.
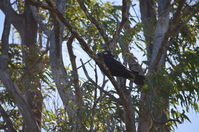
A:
x: 177, y: 82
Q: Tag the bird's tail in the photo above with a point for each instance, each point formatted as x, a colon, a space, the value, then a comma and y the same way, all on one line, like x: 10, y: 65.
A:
x: 138, y: 79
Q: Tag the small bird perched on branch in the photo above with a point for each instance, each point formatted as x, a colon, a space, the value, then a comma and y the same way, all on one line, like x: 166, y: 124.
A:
x: 119, y: 70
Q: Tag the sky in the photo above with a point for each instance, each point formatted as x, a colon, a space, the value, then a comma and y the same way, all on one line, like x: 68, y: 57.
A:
x: 184, y: 127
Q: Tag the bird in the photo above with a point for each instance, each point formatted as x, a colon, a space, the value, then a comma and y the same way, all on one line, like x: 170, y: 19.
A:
x: 119, y: 70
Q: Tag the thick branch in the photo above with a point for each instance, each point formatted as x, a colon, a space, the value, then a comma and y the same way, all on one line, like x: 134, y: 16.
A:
x: 74, y: 73
x: 84, y: 45
x: 58, y: 70
x: 5, y: 40
x: 5, y: 77
x: 15, y: 18
x: 175, y: 27
x: 148, y: 17
x: 23, y: 106
x: 128, y: 56
x: 7, y: 120
x: 5, y: 34
x: 160, y: 37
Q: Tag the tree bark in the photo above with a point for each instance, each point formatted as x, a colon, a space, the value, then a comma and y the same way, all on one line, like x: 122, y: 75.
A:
x: 78, y: 91
x: 153, y: 108
x: 4, y: 65
x: 62, y: 82
x: 6, y: 118
x: 31, y: 103
x: 31, y: 81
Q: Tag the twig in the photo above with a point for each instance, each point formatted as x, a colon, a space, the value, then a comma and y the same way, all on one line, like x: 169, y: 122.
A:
x: 94, y: 21
x: 125, y: 14
x: 136, y: 13
x: 84, y: 64
x: 95, y: 100
x: 94, y: 83
x: 169, y: 120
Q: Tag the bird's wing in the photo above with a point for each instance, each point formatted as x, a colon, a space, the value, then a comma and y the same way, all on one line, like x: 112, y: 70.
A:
x: 116, y: 68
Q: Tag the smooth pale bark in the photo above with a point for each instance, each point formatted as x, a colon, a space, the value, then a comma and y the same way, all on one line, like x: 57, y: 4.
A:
x: 60, y: 78
x: 78, y: 89
x: 149, y: 20
x: 58, y: 70
x: 151, y: 114
x: 148, y: 17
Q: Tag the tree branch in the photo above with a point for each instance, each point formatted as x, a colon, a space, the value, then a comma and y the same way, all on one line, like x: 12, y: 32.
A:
x: 84, y: 64
x: 15, y: 18
x: 23, y: 106
x: 94, y: 21
x: 84, y: 46
x: 7, y: 120
x: 5, y: 40
x: 128, y: 56
x: 94, y: 83
x: 175, y: 28
x: 6, y: 79
x: 39, y: 21
x: 148, y: 17
x: 125, y: 14
x: 160, y: 37
x: 74, y: 72
x: 177, y: 22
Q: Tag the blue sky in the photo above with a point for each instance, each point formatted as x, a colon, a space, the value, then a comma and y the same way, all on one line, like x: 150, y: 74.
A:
x: 185, y: 127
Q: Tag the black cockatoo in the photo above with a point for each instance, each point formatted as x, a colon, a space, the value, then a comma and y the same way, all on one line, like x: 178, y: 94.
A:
x: 119, y: 70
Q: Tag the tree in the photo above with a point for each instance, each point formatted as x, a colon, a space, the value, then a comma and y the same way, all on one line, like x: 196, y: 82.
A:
x: 28, y: 97
x: 167, y: 36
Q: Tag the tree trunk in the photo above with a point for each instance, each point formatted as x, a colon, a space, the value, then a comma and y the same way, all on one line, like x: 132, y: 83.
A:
x: 32, y: 70
x: 153, y: 107
x: 31, y: 88
x: 63, y: 83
